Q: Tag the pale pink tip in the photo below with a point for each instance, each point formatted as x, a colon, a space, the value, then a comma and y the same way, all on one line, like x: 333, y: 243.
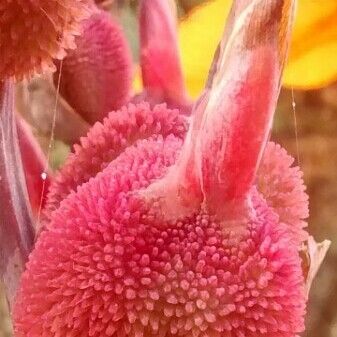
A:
x: 33, y: 33
x: 96, y: 76
x: 159, y: 54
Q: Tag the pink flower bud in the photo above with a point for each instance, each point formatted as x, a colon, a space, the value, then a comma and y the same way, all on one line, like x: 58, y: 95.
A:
x: 160, y: 61
x: 96, y: 76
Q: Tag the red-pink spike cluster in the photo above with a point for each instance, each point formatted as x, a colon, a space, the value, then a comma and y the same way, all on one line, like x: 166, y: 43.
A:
x: 111, y: 264
x: 107, y: 140
x: 96, y: 76
x: 283, y: 188
x: 34, y: 32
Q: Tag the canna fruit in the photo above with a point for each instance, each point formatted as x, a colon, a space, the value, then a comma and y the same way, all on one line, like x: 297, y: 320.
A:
x: 161, y: 225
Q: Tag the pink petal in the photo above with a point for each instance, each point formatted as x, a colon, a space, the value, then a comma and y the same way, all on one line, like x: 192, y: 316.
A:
x: 16, y: 226
x: 160, y: 61
x: 232, y: 123
x: 34, y: 163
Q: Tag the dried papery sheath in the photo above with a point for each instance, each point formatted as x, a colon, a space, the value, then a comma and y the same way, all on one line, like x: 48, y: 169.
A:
x: 33, y: 33
x: 315, y: 254
x: 162, y: 75
x: 96, y: 76
x: 16, y: 226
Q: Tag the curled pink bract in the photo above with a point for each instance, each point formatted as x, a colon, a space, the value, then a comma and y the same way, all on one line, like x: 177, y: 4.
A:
x: 34, y: 163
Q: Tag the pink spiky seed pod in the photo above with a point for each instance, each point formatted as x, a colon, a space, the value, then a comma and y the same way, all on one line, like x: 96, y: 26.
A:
x: 34, y: 32
x: 96, y: 76
x: 162, y: 74
x: 283, y: 191
x: 106, y: 141
x: 143, y: 245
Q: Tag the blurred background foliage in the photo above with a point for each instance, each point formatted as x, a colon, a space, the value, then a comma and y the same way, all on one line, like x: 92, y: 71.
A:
x: 311, y: 138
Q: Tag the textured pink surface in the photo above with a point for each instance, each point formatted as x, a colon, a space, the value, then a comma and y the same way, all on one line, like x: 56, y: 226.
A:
x: 107, y: 140
x: 34, y: 32
x: 96, y: 76
x: 282, y: 185
x: 113, y: 265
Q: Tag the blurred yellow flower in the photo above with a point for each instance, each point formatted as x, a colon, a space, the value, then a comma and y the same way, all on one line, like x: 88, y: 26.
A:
x: 312, y: 60
x: 199, y: 35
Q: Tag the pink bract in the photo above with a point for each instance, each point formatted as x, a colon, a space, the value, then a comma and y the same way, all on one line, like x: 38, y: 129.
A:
x: 34, y: 164
x: 162, y: 74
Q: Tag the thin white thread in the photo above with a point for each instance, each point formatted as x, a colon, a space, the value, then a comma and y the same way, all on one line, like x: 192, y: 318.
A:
x: 293, y: 105
x: 44, y: 174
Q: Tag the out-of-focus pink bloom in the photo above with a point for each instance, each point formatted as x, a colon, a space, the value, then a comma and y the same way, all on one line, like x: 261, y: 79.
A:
x: 34, y: 165
x: 48, y: 28
x: 162, y: 75
x: 96, y: 76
